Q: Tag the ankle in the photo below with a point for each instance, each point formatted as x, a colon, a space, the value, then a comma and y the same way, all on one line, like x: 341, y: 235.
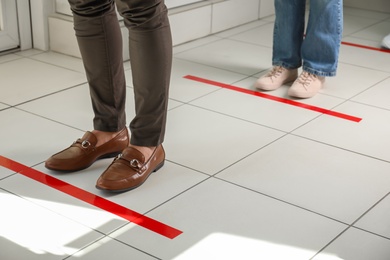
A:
x: 103, y: 137
x: 147, y: 151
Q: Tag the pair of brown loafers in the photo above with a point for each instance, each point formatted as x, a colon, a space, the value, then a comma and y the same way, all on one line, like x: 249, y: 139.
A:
x: 128, y: 170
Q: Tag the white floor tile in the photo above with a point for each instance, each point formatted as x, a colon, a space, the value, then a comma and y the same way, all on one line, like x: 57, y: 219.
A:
x: 38, y: 79
x: 368, y: 137
x: 352, y: 80
x: 376, y: 96
x: 3, y: 106
x: 231, y: 55
x: 194, y: 44
x: 161, y: 186
x: 376, y: 220
x: 5, y: 172
x: 210, y: 142
x: 365, y: 58
x: 223, y: 221
x: 259, y: 110
x: 30, y: 139
x: 245, y: 177
x: 186, y: 90
x: 62, y: 203
x: 29, y: 52
x: 314, y: 176
x: 363, y: 42
x: 256, y: 35
x: 61, y: 60
x: 357, y: 245
x: 71, y: 107
x: 375, y: 32
x: 8, y: 57
x: 39, y: 234
x: 107, y: 248
x: 353, y: 24
x: 242, y: 29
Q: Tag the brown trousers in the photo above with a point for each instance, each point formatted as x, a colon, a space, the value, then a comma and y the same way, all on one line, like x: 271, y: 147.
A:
x: 150, y: 44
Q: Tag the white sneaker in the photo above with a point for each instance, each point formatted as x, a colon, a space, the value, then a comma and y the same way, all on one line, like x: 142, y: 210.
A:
x: 275, y: 78
x: 386, y: 42
x: 306, y: 85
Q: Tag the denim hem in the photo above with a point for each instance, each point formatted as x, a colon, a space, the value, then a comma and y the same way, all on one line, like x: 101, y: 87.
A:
x: 285, y: 65
x: 319, y: 73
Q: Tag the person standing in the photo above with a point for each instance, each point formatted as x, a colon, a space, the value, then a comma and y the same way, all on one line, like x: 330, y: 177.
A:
x: 100, y: 42
x: 315, y: 50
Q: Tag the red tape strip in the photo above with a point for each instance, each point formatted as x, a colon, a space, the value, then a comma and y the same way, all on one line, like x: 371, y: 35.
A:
x: 91, y: 198
x: 365, y: 47
x: 274, y: 98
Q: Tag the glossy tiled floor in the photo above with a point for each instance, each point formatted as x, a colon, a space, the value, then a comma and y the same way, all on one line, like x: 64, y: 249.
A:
x: 246, y: 177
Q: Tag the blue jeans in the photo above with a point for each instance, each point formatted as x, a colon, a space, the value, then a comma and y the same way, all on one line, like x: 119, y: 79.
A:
x: 317, y: 50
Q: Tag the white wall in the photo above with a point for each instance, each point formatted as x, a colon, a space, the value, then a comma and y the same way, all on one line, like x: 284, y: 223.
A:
x: 176, y: 3
x: 188, y: 23
x: 62, y: 6
x: 40, y: 10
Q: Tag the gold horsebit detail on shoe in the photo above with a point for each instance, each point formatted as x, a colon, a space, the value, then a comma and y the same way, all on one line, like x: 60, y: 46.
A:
x: 85, y: 144
x: 133, y: 162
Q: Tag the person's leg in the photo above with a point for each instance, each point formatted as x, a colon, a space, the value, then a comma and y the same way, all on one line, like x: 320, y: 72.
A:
x: 99, y: 38
x: 288, y: 33
x: 100, y: 41
x: 320, y: 49
x: 287, y: 41
x: 150, y: 47
x: 151, y: 60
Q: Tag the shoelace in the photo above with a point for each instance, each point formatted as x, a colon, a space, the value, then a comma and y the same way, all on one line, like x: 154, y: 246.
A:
x: 306, y: 78
x: 276, y: 71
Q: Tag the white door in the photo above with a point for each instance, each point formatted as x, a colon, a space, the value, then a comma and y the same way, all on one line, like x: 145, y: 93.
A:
x: 9, y: 34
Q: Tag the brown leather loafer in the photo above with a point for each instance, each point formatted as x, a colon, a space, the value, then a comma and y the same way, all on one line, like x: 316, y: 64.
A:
x: 129, y: 170
x: 83, y: 152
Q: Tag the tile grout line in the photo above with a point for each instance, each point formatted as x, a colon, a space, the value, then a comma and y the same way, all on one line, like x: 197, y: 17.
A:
x: 352, y: 226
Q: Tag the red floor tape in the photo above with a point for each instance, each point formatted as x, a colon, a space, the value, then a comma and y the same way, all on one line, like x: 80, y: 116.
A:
x: 274, y: 98
x: 91, y: 198
x: 365, y: 47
